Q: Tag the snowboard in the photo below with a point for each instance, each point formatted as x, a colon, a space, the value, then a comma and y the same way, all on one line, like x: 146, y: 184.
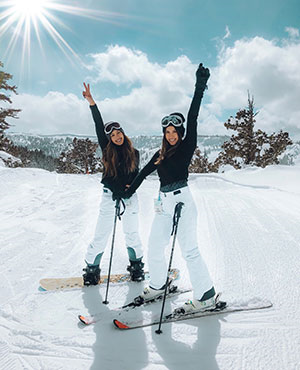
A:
x: 49, y: 284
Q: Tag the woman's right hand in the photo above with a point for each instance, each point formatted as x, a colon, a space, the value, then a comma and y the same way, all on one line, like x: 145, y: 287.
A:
x: 87, y: 94
x: 126, y: 194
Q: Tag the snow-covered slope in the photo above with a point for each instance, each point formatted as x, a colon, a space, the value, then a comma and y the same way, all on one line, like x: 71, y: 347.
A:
x: 248, y: 233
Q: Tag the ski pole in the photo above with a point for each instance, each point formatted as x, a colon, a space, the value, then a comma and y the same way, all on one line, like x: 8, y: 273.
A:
x: 177, y: 214
x: 117, y: 215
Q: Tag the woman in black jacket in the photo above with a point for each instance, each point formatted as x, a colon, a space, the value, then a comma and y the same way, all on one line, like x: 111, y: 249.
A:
x: 172, y: 162
x: 121, y: 163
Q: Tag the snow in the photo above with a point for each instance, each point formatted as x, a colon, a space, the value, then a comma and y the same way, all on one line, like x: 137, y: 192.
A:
x: 248, y: 234
x: 4, y: 157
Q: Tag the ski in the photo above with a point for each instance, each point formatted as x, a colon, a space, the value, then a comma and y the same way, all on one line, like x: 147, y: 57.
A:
x: 137, y: 302
x: 221, y: 308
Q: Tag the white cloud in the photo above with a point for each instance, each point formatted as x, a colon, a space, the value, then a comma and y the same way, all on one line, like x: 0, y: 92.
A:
x: 293, y: 32
x: 54, y: 113
x: 270, y: 70
x: 227, y: 33
x: 121, y: 65
x: 157, y: 89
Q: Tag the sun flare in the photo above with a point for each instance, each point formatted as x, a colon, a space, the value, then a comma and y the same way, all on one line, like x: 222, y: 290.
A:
x: 29, y: 8
x: 21, y: 19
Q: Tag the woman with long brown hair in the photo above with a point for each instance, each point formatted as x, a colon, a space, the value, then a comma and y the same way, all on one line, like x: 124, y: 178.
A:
x: 172, y: 162
x: 121, y: 162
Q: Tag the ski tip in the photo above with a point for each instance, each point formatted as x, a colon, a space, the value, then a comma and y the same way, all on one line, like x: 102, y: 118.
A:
x: 120, y: 325
x: 83, y: 319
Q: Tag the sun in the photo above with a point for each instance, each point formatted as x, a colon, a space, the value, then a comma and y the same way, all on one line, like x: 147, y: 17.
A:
x: 29, y: 8
x: 22, y: 19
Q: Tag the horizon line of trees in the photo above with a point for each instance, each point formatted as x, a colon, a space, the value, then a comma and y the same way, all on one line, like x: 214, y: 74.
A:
x: 246, y: 147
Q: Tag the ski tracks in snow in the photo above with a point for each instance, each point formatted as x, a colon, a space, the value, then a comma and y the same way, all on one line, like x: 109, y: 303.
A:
x: 249, y: 236
x: 253, y: 233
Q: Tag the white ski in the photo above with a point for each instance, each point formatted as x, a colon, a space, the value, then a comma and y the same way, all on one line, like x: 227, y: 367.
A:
x: 92, y: 319
x: 221, y: 308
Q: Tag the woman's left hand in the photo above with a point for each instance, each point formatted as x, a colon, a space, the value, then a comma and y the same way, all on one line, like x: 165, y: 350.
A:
x: 202, y: 75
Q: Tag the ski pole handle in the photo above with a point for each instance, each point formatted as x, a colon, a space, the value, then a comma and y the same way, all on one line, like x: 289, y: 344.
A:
x: 178, y: 209
x: 176, y: 216
x: 120, y: 201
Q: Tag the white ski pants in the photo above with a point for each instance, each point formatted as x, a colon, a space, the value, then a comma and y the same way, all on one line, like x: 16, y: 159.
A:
x: 187, y: 238
x: 105, y: 225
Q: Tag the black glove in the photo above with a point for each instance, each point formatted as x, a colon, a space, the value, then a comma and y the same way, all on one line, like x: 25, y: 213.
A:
x: 117, y: 195
x: 124, y: 194
x: 202, y: 75
x: 127, y: 194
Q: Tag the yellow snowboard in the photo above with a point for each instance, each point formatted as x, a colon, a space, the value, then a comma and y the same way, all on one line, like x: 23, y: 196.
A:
x: 77, y: 282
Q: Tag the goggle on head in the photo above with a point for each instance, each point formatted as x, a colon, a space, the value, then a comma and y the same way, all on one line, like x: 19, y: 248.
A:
x: 176, y: 121
x: 110, y: 126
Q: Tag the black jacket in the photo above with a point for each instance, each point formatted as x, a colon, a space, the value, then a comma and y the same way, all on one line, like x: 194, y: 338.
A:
x: 115, y: 184
x: 175, y: 168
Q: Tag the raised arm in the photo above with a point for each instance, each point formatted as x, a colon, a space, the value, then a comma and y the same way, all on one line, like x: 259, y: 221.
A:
x: 202, y: 75
x: 99, y: 125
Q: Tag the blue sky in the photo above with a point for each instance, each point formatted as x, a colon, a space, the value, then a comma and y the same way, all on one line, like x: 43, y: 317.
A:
x: 140, y: 58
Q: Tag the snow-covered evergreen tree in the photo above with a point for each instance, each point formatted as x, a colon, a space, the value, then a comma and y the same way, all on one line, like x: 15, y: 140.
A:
x: 200, y: 163
x: 6, y: 112
x: 250, y: 147
x: 80, y: 158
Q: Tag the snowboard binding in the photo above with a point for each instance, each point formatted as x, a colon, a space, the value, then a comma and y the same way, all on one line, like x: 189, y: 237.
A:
x: 91, y: 275
x: 136, y: 270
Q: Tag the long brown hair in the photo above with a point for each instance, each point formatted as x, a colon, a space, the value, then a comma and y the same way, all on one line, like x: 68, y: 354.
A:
x: 110, y: 157
x: 167, y: 150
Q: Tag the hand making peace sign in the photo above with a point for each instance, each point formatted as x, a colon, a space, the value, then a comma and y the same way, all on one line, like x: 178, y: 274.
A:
x: 87, y: 94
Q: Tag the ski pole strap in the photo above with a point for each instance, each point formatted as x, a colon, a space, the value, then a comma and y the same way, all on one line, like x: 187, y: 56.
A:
x: 120, y: 201
x: 177, y: 214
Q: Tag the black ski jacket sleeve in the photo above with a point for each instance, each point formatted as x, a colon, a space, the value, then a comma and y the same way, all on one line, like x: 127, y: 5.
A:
x: 147, y: 170
x: 190, y: 141
x: 99, y: 125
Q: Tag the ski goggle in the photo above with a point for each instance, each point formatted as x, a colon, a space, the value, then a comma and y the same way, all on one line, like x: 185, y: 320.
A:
x: 110, y: 126
x: 172, y: 120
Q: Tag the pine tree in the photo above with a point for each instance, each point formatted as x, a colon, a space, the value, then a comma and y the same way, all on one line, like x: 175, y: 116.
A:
x: 31, y: 158
x: 250, y: 147
x: 6, y: 112
x: 80, y: 158
x: 65, y: 164
x: 200, y: 163
x: 272, y: 147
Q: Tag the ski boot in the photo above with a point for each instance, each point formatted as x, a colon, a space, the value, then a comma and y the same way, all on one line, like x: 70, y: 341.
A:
x: 150, y: 294
x: 136, y: 270
x: 91, y: 275
x: 206, y: 303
